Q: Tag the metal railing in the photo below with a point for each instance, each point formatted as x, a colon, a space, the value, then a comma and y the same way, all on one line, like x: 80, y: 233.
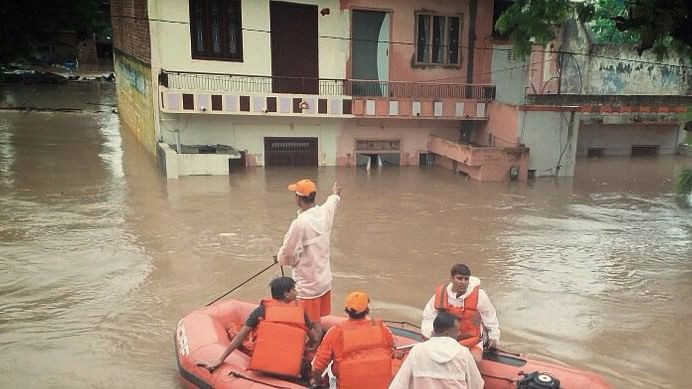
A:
x: 241, y: 83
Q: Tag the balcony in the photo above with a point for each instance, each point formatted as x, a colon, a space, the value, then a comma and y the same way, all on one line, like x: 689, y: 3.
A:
x: 479, y: 162
x: 237, y: 94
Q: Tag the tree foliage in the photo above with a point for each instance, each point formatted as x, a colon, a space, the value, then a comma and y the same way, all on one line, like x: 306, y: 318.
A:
x: 26, y: 24
x: 683, y: 184
x: 603, y: 26
x: 533, y: 21
x: 660, y: 25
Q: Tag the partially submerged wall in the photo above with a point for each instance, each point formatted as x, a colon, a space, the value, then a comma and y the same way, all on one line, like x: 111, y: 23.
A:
x: 619, y: 139
x: 132, y: 62
x: 135, y: 101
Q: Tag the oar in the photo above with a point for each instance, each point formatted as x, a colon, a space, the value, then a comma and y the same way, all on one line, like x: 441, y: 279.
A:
x: 241, y: 284
x: 276, y: 260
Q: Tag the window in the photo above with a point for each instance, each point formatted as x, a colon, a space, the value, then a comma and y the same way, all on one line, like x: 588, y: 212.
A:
x: 437, y: 40
x: 215, y: 30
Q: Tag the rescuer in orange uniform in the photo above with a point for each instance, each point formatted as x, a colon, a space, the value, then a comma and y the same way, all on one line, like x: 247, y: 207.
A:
x: 279, y: 327
x: 463, y: 297
x: 361, y: 349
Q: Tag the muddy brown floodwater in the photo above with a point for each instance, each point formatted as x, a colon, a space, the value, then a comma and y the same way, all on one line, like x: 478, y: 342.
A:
x: 100, y: 256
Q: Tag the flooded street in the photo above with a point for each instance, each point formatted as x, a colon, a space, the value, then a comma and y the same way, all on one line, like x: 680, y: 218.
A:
x: 100, y: 256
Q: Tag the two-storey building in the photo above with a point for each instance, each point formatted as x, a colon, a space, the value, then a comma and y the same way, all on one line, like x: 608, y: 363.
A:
x: 209, y: 84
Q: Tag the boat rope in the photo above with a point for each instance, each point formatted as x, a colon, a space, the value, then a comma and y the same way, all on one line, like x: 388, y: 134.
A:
x: 401, y: 322
x: 238, y: 375
x: 510, y: 380
x: 241, y: 284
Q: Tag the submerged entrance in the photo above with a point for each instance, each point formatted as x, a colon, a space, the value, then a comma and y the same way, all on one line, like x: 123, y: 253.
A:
x: 373, y: 153
x: 645, y: 150
x: 290, y: 151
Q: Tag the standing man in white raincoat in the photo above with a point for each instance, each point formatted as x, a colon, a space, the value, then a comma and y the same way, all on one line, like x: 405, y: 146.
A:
x: 440, y: 362
x: 306, y: 249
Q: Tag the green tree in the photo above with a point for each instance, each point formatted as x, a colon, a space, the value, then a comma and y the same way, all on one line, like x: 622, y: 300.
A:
x: 684, y: 181
x: 603, y: 26
x: 685, y: 119
x: 26, y: 24
x: 660, y: 25
x: 533, y: 21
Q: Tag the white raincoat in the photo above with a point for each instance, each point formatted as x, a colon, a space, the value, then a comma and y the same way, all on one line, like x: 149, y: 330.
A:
x: 306, y: 249
x: 440, y: 362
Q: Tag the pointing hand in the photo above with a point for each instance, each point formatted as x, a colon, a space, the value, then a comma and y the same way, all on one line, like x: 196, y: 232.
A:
x: 336, y: 189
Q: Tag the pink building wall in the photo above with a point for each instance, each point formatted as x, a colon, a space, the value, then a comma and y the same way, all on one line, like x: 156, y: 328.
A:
x: 483, y: 52
x: 415, y: 134
x: 403, y: 25
x: 502, y: 126
x: 414, y: 137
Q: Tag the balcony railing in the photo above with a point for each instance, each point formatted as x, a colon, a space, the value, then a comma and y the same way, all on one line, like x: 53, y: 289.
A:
x: 241, y: 83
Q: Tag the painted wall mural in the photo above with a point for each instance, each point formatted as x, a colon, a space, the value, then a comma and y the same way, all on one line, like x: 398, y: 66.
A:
x: 135, y: 100
x: 615, y: 70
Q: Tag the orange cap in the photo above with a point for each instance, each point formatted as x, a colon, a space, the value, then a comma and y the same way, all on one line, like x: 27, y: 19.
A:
x: 303, y: 187
x: 357, y: 301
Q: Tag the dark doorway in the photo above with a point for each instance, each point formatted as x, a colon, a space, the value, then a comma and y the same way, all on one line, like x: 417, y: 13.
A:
x: 370, y: 52
x: 426, y: 159
x: 295, y: 67
x: 594, y: 152
x: 290, y: 151
x: 236, y: 164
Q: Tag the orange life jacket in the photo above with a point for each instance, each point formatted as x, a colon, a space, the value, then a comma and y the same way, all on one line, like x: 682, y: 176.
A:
x: 280, y: 339
x: 365, y: 357
x: 469, y: 317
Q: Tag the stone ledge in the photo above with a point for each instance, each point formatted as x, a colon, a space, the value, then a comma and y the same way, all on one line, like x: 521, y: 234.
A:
x: 628, y: 100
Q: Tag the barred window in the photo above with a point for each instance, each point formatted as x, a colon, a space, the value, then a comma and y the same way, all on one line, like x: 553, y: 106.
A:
x: 216, y: 30
x: 437, y: 39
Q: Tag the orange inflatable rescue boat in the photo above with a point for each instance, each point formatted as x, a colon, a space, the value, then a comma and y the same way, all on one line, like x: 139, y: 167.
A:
x: 203, y: 335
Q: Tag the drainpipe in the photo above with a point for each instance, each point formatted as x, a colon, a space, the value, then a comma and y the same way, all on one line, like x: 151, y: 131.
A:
x: 466, y: 128
x: 473, y: 10
x: 560, y: 64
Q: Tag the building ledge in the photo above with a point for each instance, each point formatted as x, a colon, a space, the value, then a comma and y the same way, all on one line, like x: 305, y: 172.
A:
x: 609, y: 100
x: 482, y: 163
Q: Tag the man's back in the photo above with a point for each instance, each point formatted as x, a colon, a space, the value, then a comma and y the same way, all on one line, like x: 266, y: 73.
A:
x: 439, y: 362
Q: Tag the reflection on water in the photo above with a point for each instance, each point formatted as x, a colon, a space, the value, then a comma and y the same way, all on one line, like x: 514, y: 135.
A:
x: 100, y: 256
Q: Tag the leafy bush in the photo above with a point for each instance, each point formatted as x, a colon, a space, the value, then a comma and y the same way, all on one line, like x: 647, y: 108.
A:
x: 684, y: 181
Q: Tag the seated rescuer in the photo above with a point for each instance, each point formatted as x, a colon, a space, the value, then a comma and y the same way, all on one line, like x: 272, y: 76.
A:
x: 361, y: 349
x: 280, y: 326
x: 463, y: 297
x: 439, y: 362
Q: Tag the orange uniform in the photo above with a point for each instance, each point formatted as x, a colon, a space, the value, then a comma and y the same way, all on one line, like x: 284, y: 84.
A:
x: 469, y: 317
x: 362, y: 354
x: 280, y: 339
